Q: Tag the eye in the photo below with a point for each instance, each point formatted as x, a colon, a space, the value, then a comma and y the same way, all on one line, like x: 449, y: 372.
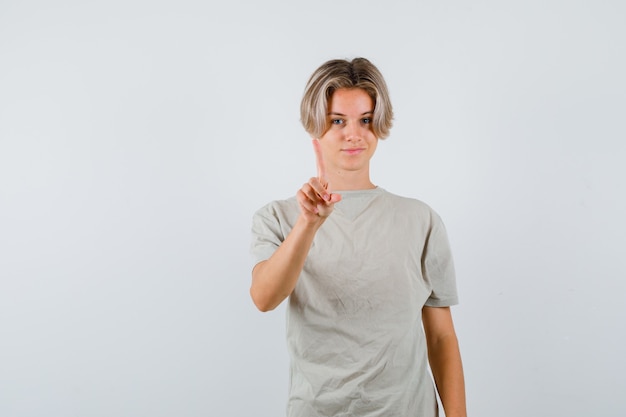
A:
x: 336, y: 121
x: 366, y: 120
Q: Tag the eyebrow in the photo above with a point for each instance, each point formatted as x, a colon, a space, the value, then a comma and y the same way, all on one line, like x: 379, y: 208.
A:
x: 341, y: 114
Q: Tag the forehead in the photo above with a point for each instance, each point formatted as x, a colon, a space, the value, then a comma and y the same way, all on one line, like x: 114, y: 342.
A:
x: 350, y: 100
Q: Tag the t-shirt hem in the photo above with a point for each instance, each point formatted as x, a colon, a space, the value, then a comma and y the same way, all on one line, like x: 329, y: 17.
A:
x: 449, y: 302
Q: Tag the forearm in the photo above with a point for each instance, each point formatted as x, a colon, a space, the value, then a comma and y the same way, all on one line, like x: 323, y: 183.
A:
x: 274, y: 279
x: 445, y: 362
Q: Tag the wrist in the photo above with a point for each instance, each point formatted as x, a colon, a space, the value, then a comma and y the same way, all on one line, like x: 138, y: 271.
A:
x: 310, y: 222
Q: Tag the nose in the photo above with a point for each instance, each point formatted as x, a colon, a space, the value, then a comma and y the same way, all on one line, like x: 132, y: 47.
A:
x: 354, y: 132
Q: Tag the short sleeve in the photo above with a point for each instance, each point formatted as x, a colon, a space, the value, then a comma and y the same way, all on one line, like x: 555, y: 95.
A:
x: 266, y: 233
x: 438, y: 266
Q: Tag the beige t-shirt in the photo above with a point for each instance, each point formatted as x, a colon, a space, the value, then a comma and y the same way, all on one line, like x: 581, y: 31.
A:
x: 354, y: 328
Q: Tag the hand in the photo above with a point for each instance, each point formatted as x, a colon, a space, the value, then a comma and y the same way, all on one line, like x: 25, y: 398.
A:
x: 315, y: 198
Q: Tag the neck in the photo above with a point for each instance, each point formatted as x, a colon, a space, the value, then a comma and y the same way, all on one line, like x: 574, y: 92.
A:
x: 348, y: 181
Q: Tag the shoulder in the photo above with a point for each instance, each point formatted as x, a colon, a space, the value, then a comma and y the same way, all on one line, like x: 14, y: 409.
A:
x: 278, y: 208
x: 410, y: 205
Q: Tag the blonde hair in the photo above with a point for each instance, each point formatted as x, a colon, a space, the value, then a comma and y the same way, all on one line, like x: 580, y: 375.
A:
x: 341, y: 73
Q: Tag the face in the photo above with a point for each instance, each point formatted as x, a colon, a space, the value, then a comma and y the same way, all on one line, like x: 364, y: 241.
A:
x: 349, y: 143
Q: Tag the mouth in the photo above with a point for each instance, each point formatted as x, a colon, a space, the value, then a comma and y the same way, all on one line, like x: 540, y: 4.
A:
x: 353, y: 151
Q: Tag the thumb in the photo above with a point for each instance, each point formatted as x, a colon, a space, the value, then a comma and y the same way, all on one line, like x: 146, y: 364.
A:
x: 334, y: 197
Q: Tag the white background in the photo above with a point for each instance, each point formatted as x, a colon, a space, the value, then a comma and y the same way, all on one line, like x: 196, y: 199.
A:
x: 137, y: 138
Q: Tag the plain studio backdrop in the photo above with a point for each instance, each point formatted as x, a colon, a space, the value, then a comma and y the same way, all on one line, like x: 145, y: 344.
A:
x: 137, y: 138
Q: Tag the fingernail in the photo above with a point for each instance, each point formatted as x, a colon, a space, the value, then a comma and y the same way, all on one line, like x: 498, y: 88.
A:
x: 326, y: 197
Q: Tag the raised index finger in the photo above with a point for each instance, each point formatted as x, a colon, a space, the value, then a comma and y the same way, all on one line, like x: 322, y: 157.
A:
x: 321, y: 168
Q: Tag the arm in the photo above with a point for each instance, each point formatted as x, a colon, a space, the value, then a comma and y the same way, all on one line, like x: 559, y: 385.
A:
x: 274, y: 279
x: 445, y: 359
